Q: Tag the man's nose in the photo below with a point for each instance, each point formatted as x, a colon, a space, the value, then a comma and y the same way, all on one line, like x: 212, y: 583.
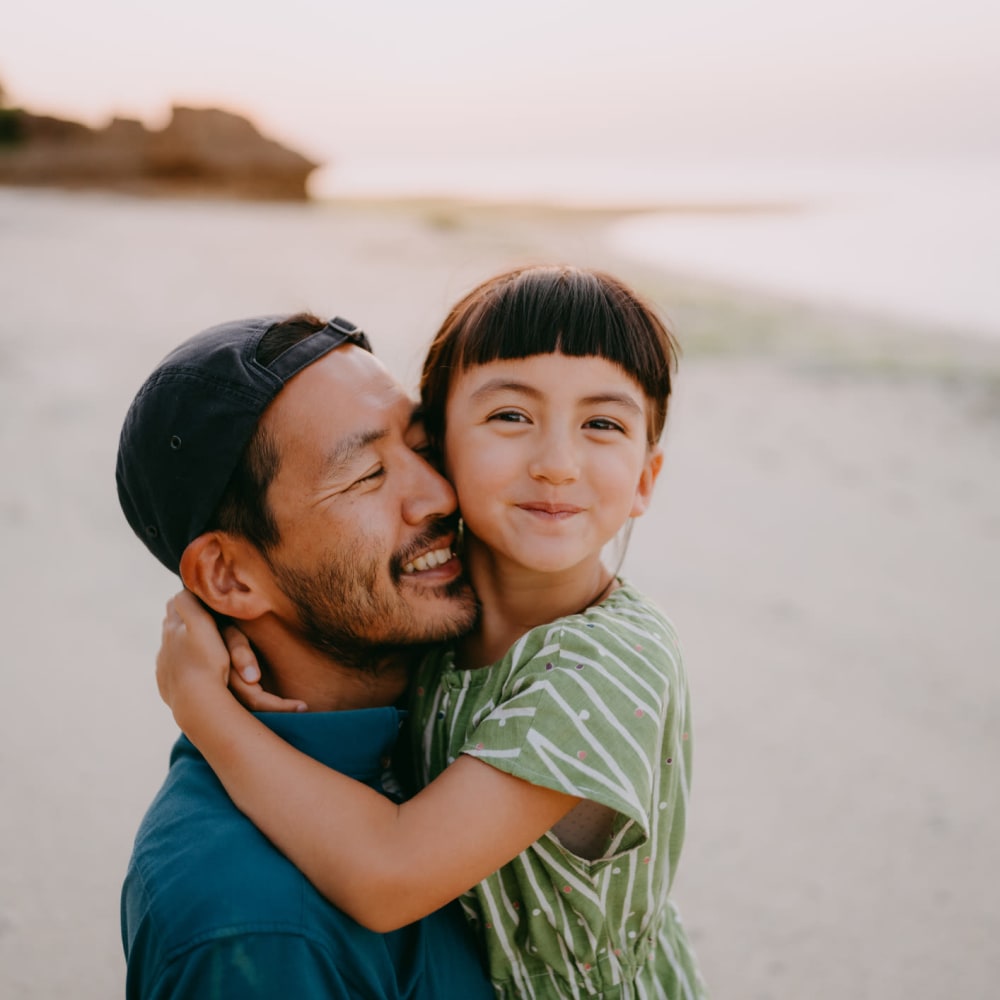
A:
x: 430, y: 494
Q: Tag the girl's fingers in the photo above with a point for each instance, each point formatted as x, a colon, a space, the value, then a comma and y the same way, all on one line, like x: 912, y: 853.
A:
x: 254, y: 697
x: 241, y: 654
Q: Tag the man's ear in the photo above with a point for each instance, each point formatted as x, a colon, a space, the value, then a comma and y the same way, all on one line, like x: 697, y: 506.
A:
x: 226, y: 573
x: 644, y: 489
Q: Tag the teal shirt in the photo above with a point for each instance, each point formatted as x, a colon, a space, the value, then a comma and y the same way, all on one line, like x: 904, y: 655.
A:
x: 211, y: 910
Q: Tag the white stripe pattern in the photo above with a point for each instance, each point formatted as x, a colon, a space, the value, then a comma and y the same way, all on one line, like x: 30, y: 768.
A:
x: 594, y: 705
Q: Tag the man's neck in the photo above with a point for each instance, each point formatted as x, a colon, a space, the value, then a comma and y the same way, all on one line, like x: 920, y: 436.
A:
x: 291, y: 668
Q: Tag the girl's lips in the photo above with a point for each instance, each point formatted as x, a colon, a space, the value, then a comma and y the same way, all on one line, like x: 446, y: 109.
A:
x: 551, y: 509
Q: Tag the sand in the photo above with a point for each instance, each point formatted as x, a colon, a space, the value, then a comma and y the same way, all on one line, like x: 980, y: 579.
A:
x: 826, y: 536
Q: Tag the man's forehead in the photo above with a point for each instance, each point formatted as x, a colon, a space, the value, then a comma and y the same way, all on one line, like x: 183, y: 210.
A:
x: 347, y: 395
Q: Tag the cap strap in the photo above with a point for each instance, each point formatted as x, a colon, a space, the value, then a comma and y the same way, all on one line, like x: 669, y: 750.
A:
x: 336, y: 332
x: 346, y: 329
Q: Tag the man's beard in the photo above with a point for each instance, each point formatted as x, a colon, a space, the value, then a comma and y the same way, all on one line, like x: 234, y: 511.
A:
x: 346, y: 615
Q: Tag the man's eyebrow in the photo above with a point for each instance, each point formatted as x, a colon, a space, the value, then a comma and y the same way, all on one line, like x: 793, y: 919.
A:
x: 347, y: 450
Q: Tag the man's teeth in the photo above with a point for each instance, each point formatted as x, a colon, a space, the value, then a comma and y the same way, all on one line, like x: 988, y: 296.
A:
x: 428, y: 560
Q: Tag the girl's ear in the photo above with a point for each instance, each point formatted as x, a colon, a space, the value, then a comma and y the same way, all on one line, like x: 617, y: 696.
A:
x: 644, y: 489
x: 225, y: 572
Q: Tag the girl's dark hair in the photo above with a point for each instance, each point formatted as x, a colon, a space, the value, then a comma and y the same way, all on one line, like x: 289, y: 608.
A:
x: 548, y: 310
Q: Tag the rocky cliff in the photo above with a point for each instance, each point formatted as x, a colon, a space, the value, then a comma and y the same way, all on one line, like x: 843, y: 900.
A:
x: 202, y: 151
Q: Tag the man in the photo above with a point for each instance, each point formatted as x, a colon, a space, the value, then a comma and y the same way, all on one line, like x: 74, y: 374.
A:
x: 271, y: 464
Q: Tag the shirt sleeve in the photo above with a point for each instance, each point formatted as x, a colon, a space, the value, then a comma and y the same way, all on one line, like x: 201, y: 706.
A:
x: 584, y: 714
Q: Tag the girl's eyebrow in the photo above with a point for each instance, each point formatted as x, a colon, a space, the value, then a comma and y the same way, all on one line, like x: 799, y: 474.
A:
x: 505, y: 385
x: 597, y: 399
x: 621, y: 398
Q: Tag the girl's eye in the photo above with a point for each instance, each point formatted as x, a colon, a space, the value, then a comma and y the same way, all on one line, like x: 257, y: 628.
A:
x: 604, y: 424
x: 509, y: 416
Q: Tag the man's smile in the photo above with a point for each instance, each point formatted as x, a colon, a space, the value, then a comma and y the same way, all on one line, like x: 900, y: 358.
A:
x: 429, y: 560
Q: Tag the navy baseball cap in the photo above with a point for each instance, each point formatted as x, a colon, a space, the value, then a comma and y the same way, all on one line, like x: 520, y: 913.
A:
x: 191, y: 421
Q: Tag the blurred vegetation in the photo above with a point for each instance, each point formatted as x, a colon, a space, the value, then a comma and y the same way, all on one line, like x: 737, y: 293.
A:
x: 11, y: 126
x: 11, y: 121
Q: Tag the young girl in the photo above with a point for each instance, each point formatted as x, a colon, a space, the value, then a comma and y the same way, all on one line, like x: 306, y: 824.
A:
x: 553, y: 740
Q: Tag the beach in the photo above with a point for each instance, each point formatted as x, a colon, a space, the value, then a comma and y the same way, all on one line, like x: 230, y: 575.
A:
x: 825, y: 536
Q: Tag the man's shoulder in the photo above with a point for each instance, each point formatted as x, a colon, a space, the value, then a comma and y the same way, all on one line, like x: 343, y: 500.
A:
x: 208, y: 898
x: 199, y: 865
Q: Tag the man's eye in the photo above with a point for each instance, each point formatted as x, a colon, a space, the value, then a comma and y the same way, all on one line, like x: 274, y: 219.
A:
x: 604, y: 424
x: 428, y: 453
x: 377, y: 473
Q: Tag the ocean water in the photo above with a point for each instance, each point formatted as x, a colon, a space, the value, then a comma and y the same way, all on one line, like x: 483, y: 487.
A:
x: 914, y: 240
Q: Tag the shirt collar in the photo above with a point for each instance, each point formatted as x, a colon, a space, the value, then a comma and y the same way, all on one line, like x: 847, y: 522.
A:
x: 357, y: 743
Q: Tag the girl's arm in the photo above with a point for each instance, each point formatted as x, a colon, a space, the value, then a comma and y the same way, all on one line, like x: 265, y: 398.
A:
x: 384, y: 864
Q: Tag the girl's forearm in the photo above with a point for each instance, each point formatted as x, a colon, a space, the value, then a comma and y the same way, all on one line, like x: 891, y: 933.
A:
x: 384, y: 864
x: 336, y: 830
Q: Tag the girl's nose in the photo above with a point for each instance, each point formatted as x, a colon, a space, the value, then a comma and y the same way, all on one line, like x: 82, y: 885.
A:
x: 555, y: 460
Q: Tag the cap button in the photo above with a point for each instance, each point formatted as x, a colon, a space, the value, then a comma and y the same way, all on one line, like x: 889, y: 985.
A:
x: 175, y: 443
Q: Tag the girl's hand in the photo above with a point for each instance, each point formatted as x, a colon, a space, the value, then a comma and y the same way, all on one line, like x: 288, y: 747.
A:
x: 192, y: 657
x: 244, y: 678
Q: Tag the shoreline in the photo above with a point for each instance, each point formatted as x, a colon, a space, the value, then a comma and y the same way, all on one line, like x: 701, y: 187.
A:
x: 544, y: 206
x: 835, y: 332
x: 775, y: 323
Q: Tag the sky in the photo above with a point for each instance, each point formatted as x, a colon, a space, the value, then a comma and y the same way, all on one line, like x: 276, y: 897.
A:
x: 716, y: 78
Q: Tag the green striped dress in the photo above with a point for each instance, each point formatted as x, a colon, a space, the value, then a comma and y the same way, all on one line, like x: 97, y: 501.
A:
x: 594, y: 705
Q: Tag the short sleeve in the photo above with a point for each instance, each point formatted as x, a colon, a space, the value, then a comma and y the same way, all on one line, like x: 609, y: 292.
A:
x: 584, y: 714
